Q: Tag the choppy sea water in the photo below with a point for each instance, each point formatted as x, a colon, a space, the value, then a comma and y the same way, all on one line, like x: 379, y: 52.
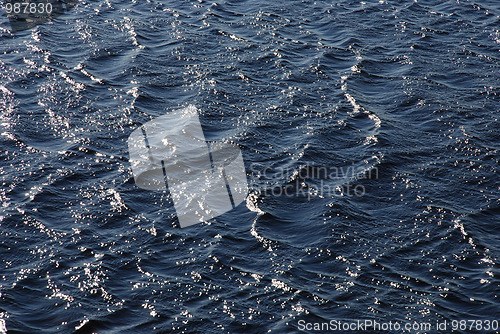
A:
x: 404, y: 94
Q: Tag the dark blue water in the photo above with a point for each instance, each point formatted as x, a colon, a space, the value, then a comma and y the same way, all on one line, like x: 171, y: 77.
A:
x: 405, y: 94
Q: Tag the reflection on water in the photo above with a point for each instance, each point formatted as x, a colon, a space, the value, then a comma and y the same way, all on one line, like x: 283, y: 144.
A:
x: 409, y: 89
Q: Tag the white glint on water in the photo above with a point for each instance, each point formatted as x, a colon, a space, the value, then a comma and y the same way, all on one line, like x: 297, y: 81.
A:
x: 3, y: 327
